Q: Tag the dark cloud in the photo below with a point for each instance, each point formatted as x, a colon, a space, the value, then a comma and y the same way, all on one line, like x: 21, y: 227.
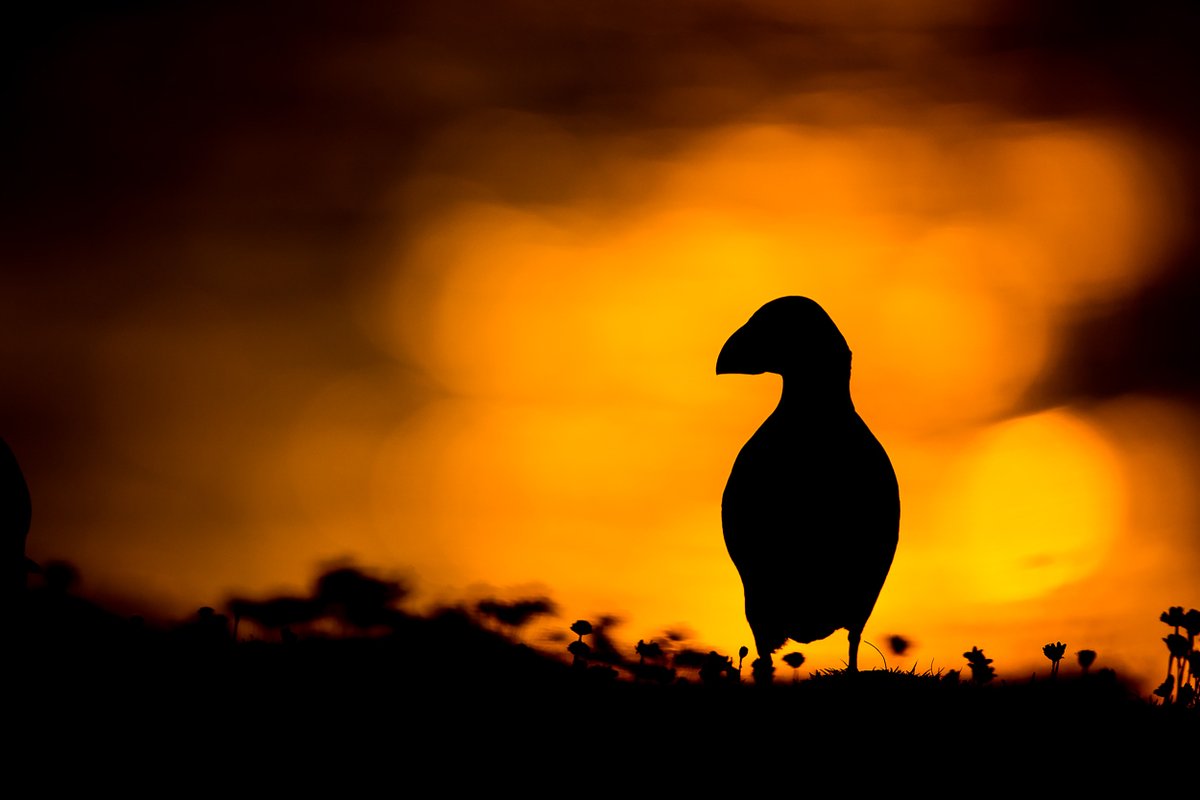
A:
x: 1080, y: 57
x: 294, y: 121
x: 1148, y: 343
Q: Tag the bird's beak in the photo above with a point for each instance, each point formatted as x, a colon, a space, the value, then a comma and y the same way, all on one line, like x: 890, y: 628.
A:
x: 740, y: 355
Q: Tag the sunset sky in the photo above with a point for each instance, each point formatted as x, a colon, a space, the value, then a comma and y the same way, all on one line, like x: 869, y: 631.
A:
x: 439, y: 288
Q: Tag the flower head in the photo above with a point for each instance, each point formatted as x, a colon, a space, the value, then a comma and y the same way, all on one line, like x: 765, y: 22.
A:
x: 1178, y: 645
x: 1173, y: 616
x: 794, y: 660
x: 651, y: 650
x: 1055, y: 651
x: 976, y: 656
x: 981, y: 669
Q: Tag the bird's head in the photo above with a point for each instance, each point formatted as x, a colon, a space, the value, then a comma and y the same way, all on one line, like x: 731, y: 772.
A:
x: 788, y: 336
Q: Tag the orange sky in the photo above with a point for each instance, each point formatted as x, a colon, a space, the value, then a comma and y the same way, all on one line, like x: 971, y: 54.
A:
x: 449, y: 304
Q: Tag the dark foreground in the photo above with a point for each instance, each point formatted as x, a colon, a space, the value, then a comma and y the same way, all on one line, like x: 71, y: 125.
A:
x: 446, y: 704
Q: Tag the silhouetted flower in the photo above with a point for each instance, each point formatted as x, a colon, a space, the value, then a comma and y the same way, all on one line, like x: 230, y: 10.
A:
x: 1174, y: 616
x: 1178, y: 646
x: 1182, y: 655
x: 1054, y: 652
x: 579, y: 648
x: 743, y: 651
x: 1086, y: 658
x: 794, y: 660
x: 981, y: 669
x: 651, y: 650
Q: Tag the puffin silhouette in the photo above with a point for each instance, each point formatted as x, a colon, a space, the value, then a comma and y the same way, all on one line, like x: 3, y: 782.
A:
x: 811, y: 511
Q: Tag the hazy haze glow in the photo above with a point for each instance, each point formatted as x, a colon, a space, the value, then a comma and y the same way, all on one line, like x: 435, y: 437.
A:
x: 439, y: 287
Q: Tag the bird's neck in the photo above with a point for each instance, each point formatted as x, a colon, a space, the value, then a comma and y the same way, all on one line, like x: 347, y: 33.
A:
x: 802, y: 397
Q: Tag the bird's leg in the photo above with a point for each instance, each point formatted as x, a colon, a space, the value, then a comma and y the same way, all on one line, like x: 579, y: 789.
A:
x: 855, y: 638
x: 762, y: 670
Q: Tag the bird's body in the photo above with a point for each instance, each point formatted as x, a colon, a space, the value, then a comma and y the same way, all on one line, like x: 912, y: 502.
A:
x: 811, y: 510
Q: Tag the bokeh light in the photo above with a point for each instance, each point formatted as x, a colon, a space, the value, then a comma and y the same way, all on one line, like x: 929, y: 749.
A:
x: 441, y: 290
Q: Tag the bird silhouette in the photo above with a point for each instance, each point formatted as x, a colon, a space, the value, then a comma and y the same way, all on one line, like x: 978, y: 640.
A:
x: 811, y: 511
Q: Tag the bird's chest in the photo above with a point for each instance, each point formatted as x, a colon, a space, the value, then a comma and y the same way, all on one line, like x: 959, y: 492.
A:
x: 782, y: 464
